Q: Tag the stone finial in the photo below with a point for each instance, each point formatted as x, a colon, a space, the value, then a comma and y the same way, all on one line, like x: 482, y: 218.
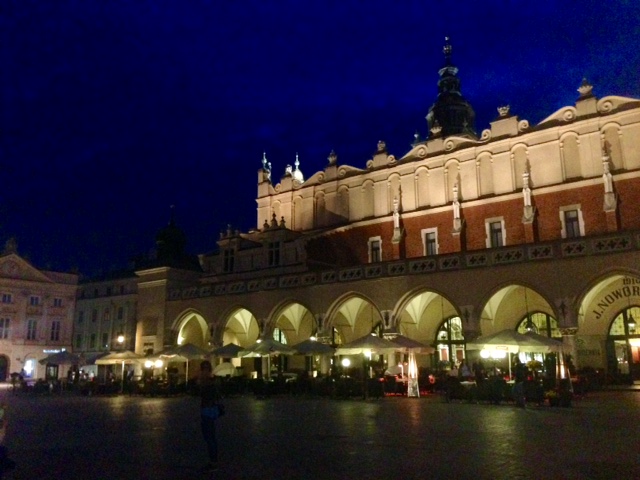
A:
x: 436, y: 129
x: 282, y: 222
x: 333, y: 158
x: 447, y: 48
x: 382, y: 146
x: 265, y: 226
x: 503, y: 110
x: 274, y: 221
x: 585, y: 89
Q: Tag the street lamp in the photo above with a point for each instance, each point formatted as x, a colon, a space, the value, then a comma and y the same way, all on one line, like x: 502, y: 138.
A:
x: 120, y: 340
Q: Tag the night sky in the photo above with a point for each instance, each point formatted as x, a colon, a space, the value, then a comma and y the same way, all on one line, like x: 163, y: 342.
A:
x: 114, y: 110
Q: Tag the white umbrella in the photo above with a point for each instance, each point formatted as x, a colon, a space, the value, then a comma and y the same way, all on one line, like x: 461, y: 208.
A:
x: 266, y: 348
x: 116, y: 358
x: 313, y: 347
x: 366, y: 344
x: 225, y: 369
x: 410, y: 345
x: 230, y: 350
x: 185, y: 353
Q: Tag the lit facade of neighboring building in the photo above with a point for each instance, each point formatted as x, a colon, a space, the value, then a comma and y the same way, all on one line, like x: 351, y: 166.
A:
x: 521, y: 227
x: 36, y: 314
x: 106, y: 309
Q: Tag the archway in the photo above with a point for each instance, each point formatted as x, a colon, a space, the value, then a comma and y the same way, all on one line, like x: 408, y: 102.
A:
x: 608, y: 337
x: 242, y: 328
x: 294, y: 323
x: 192, y: 328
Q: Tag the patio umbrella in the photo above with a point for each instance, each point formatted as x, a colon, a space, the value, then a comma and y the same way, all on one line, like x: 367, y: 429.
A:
x: 61, y: 358
x: 185, y: 353
x: 230, y: 350
x: 225, y: 369
x: 368, y: 343
x: 410, y: 345
x: 313, y: 347
x: 116, y: 358
x: 267, y: 348
x: 513, y: 342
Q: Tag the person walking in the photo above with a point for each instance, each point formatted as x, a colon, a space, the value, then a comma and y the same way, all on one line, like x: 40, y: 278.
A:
x: 210, y: 411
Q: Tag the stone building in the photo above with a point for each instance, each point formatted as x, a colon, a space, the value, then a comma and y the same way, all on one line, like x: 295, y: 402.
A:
x: 528, y: 227
x: 36, y: 314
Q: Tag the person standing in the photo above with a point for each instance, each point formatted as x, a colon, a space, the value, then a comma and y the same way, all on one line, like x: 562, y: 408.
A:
x: 209, y: 413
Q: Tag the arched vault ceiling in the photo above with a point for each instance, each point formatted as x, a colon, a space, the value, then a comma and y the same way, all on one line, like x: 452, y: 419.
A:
x: 295, y: 313
x: 243, y: 317
x: 418, y: 304
x: 491, y: 308
x: 599, y: 288
x: 352, y: 308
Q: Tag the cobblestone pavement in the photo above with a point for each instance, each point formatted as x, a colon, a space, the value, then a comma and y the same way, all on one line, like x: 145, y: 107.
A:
x: 72, y: 437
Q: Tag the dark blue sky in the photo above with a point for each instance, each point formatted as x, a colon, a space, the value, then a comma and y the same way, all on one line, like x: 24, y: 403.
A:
x: 114, y: 110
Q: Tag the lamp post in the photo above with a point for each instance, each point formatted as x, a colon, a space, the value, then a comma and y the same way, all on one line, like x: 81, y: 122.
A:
x: 120, y: 340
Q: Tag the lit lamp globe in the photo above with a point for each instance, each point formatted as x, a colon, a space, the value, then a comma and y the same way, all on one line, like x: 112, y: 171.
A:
x: 346, y: 362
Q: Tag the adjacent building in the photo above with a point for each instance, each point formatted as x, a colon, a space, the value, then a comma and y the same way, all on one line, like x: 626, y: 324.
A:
x: 36, y: 314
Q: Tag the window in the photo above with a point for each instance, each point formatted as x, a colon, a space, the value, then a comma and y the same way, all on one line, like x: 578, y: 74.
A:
x: 571, y: 221
x: 79, y: 341
x: 57, y: 302
x: 94, y: 315
x: 92, y: 341
x: 95, y: 292
x: 32, y: 326
x: 495, y: 232
x: 540, y: 323
x: 375, y: 249
x: 105, y: 340
x: 81, y: 316
x: 121, y: 289
x: 5, y: 324
x: 55, y: 331
x: 34, y: 301
x: 450, y: 341
x: 273, y: 249
x: 430, y: 241
x: 106, y: 315
x: 109, y: 290
x: 120, y: 313
x: 7, y: 298
x: 229, y: 258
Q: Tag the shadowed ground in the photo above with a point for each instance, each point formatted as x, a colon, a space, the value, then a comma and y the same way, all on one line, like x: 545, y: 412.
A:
x: 73, y: 437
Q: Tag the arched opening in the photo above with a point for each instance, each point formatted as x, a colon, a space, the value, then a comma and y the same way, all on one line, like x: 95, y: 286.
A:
x: 623, y: 345
x: 450, y: 343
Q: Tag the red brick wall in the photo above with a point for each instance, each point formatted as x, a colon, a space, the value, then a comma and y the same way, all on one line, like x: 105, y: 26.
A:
x: 350, y: 247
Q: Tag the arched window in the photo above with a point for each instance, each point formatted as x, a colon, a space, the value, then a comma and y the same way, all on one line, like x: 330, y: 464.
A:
x: 540, y: 323
x: 279, y: 336
x: 450, y: 341
x: 623, y: 344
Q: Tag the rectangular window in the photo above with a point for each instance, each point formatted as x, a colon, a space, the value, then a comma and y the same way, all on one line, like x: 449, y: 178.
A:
x: 495, y: 230
x: 92, y: 341
x: 496, y: 234
x: 5, y: 324
x: 120, y: 313
x: 430, y: 241
x: 57, y: 302
x: 94, y: 315
x: 229, y: 260
x: 109, y: 291
x: 79, y: 341
x: 273, y: 249
x: 81, y: 316
x: 32, y: 328
x: 121, y: 289
x: 7, y: 298
x: 34, y: 301
x: 55, y: 331
x: 105, y: 340
x: 375, y: 249
x: 572, y: 224
x: 106, y: 315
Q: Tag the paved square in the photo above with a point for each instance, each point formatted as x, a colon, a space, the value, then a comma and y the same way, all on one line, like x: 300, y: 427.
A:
x: 72, y: 437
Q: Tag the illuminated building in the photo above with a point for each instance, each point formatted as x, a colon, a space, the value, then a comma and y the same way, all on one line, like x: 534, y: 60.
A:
x: 519, y: 226
x: 36, y: 314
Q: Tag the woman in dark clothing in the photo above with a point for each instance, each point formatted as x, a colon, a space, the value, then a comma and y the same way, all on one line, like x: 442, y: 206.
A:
x: 209, y: 412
